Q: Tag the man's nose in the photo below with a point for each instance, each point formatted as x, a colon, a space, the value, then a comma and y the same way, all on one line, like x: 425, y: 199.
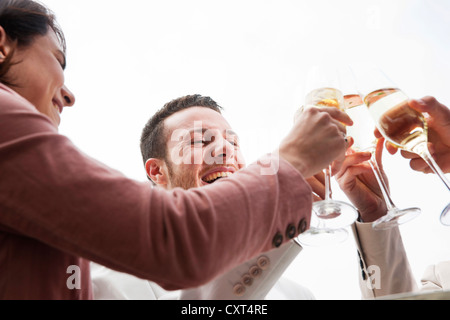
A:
x: 222, y: 150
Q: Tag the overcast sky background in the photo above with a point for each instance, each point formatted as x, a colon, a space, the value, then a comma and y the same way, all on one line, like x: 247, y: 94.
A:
x: 125, y: 59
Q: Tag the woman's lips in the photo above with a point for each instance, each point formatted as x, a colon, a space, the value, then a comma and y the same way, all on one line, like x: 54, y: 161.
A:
x: 58, y: 106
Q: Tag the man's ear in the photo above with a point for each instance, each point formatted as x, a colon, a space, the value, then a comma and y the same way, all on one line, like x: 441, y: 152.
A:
x: 5, y: 46
x: 156, y: 171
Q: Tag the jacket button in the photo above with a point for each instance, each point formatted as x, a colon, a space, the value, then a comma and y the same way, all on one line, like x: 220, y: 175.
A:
x: 263, y: 262
x: 247, y: 279
x: 290, y: 231
x: 239, y: 289
x: 277, y: 240
x: 255, y: 271
x: 302, y: 226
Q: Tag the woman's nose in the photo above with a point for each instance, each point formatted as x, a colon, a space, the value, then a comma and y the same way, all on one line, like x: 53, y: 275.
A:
x: 68, y: 97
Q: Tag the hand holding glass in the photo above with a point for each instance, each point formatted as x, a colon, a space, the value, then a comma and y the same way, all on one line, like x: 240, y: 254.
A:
x: 401, y: 125
x: 364, y: 140
x: 322, y: 91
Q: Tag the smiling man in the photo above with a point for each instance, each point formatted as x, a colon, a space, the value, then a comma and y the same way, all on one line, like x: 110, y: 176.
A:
x: 189, y: 144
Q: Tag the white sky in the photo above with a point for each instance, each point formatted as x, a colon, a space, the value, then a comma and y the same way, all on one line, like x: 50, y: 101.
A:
x: 127, y: 58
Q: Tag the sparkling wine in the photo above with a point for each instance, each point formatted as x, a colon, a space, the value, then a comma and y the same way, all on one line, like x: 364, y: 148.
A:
x: 328, y: 97
x: 400, y: 124
x: 352, y: 101
x: 363, y: 126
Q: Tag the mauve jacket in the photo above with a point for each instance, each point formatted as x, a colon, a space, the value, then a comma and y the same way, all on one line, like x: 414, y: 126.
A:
x: 60, y: 209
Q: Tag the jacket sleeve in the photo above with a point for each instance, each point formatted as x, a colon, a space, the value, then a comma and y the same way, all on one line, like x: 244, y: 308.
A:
x: 251, y: 280
x: 436, y: 277
x: 383, y: 262
x: 52, y: 192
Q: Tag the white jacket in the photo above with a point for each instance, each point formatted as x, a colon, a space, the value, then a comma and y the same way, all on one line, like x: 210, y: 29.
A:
x: 385, y: 269
x: 257, y: 279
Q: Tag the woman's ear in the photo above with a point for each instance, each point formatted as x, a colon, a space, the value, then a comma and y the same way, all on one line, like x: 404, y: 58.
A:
x: 5, y: 46
x: 156, y: 171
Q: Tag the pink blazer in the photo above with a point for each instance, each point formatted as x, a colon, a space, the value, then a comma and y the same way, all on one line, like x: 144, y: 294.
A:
x: 60, y: 209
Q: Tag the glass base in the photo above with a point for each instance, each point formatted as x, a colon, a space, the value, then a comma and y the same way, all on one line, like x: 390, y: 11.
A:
x: 335, y: 214
x: 395, y: 217
x: 316, y: 237
x: 445, y: 216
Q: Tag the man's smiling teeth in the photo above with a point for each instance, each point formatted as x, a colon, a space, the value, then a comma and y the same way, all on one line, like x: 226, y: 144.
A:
x: 55, y: 105
x: 215, y: 175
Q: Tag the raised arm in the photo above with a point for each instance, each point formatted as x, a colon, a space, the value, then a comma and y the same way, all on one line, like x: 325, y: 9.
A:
x: 52, y: 192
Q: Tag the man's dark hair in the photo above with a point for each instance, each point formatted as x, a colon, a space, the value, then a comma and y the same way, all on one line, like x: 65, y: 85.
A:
x: 153, y: 138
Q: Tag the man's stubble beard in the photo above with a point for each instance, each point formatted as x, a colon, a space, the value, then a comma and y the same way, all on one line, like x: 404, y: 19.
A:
x: 177, y: 181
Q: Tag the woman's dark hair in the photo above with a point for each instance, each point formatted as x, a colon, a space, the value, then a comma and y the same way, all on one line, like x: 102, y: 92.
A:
x: 22, y: 21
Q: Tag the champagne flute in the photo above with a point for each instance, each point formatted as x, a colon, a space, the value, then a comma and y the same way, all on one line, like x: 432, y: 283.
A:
x: 322, y: 85
x: 401, y: 125
x: 445, y: 215
x: 364, y: 140
x: 319, y: 234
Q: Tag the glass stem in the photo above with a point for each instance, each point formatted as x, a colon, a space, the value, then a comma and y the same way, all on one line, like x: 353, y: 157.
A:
x: 422, y: 150
x: 384, y: 189
x: 327, y: 173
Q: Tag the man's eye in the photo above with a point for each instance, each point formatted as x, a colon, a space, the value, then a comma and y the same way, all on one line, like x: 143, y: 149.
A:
x: 197, y: 142
x: 234, y: 143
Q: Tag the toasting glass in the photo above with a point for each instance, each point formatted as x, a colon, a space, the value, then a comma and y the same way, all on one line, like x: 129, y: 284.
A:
x: 322, y: 88
x: 362, y: 132
x: 401, y: 125
x: 321, y: 233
